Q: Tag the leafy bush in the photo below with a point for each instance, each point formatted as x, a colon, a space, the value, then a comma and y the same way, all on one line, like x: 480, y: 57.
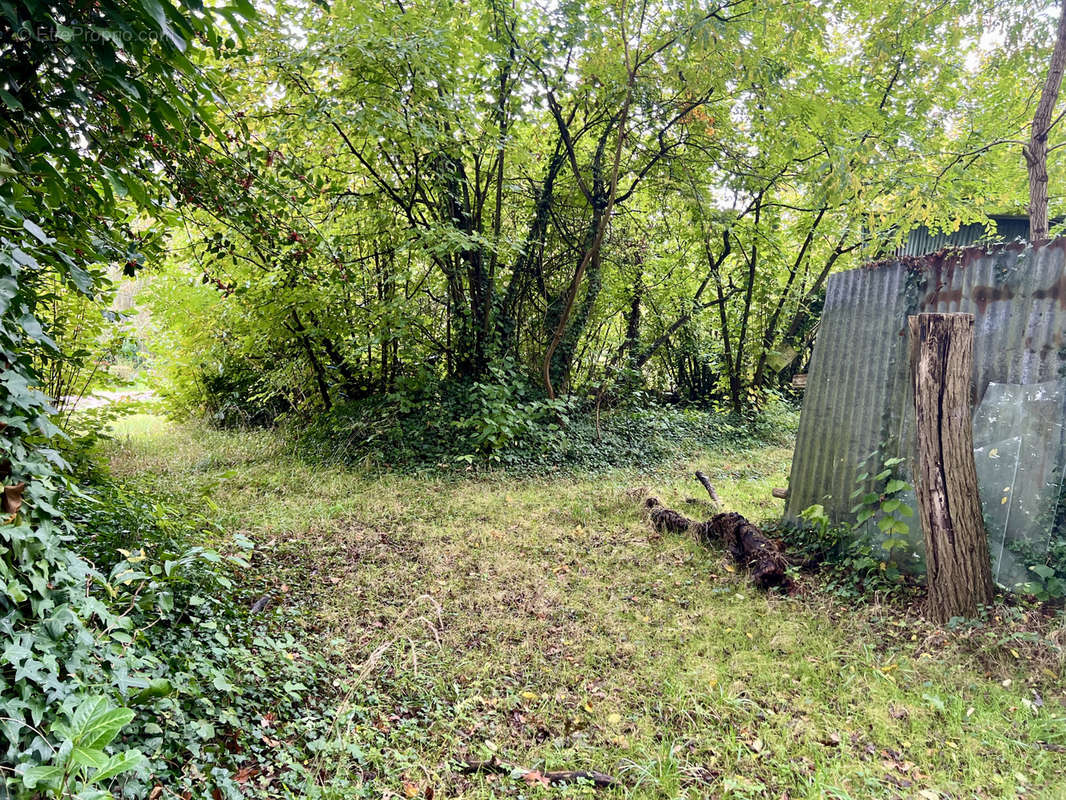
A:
x: 160, y: 627
x: 876, y: 552
x: 879, y: 499
x: 1047, y: 566
x: 1046, y: 558
x: 216, y: 689
x: 64, y: 639
x: 85, y: 134
x: 80, y: 767
x: 857, y: 564
x: 510, y: 424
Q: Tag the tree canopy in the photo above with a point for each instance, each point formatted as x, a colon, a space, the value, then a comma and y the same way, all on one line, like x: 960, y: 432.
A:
x: 577, y: 197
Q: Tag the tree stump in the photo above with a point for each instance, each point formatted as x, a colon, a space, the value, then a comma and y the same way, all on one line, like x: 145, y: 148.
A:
x: 958, y: 569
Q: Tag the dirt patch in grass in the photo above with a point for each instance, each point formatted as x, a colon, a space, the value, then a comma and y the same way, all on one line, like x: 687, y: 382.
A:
x: 543, y: 621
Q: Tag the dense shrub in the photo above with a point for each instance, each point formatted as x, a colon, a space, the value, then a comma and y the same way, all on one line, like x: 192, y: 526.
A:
x: 217, y: 689
x: 878, y: 552
x: 1046, y: 564
x: 872, y: 555
x: 509, y: 424
x: 96, y: 97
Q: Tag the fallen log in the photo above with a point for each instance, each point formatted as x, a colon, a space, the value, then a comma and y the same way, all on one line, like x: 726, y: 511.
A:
x: 746, y: 544
x: 548, y: 778
x: 750, y: 546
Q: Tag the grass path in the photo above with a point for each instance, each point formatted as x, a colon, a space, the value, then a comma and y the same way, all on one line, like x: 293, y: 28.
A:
x: 541, y: 619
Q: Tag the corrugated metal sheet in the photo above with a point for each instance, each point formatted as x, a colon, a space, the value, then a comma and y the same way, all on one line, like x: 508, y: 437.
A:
x: 858, y: 398
x: 922, y: 241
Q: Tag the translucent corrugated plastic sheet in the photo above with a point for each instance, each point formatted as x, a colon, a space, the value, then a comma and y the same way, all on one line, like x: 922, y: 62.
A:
x: 1020, y: 454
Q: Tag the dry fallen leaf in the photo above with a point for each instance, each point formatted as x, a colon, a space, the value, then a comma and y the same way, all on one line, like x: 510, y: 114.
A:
x: 533, y: 776
x: 11, y: 501
x: 898, y: 712
x: 410, y: 789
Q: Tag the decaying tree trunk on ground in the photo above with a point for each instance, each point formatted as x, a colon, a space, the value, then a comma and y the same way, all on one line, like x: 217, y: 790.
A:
x: 958, y: 569
x: 744, y: 542
x: 750, y: 547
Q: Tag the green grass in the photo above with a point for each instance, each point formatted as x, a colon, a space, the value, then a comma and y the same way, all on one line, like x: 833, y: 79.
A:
x: 542, y: 620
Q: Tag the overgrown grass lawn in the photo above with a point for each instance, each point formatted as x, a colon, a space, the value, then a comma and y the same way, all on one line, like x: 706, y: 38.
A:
x: 541, y: 620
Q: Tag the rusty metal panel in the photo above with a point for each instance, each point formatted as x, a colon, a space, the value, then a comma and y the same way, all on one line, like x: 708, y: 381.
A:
x: 858, y: 397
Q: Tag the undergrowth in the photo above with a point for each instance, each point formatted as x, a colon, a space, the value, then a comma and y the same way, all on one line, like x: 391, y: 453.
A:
x: 220, y: 690
x: 538, y: 620
x: 497, y: 426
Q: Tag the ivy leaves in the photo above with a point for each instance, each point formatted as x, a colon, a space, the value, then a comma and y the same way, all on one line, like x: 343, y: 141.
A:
x: 95, y: 96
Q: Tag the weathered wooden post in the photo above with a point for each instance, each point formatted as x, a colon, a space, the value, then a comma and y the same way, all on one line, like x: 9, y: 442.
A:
x: 958, y: 571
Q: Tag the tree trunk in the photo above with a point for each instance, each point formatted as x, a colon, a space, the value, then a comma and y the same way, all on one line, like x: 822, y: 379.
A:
x: 1036, y: 151
x: 742, y: 338
x: 958, y: 571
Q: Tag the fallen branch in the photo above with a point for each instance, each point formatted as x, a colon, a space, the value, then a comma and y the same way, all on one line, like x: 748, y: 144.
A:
x: 531, y: 776
x: 750, y: 546
x: 707, y: 485
x: 744, y: 542
x: 1054, y: 748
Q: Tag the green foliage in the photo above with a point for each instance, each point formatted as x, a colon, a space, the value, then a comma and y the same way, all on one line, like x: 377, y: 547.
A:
x: 877, y: 551
x: 181, y: 649
x: 503, y: 414
x: 857, y: 563
x: 852, y: 566
x: 329, y: 257
x: 1047, y: 584
x: 91, y: 92
x: 81, y: 767
x: 512, y: 426
x: 216, y: 688
x: 1048, y: 567
x: 879, y: 500
x: 1045, y: 558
